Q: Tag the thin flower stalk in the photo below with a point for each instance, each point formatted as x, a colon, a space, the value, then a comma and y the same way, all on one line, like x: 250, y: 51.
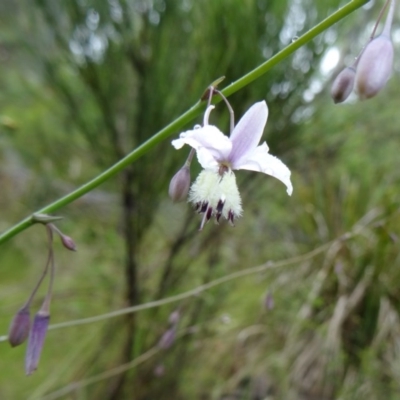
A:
x: 41, y: 321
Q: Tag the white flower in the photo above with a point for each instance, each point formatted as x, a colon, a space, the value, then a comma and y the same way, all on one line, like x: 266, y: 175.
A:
x: 215, y: 193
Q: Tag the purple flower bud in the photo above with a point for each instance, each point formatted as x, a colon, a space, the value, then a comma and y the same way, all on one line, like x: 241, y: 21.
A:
x: 67, y: 242
x: 159, y: 370
x: 36, y: 341
x: 374, y: 67
x: 174, y: 317
x: 19, y: 328
x: 269, y: 301
x: 179, y: 185
x: 343, y: 85
x: 167, y: 339
x: 338, y: 268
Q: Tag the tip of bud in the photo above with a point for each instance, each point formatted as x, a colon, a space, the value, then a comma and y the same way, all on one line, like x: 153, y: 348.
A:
x: 36, y: 339
x: 19, y: 327
x: 179, y: 185
x: 343, y: 85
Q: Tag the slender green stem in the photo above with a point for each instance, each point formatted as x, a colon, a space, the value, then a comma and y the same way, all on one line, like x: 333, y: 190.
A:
x: 185, y: 118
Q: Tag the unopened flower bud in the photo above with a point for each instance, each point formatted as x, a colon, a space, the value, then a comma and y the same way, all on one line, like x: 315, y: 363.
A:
x: 19, y: 328
x: 36, y: 341
x: 67, y: 242
x: 167, y: 339
x: 338, y: 268
x: 159, y: 370
x: 269, y: 301
x: 374, y: 67
x: 343, y: 85
x: 179, y: 185
x: 174, y: 317
x: 376, y: 61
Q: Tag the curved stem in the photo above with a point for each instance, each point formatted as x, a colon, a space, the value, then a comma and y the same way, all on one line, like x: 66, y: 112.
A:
x: 186, y: 117
x: 46, y: 303
x: 49, y: 261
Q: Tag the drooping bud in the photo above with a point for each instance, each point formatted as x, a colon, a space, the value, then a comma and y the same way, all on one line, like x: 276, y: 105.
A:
x: 36, y: 339
x: 174, y: 317
x: 376, y: 62
x: 343, y: 85
x: 180, y: 184
x: 19, y: 328
x: 338, y: 268
x: 374, y: 67
x: 269, y: 302
x: 67, y: 242
x: 167, y: 339
x: 159, y: 370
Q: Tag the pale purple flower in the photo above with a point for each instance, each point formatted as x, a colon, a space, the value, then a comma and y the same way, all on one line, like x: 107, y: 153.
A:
x: 215, y: 193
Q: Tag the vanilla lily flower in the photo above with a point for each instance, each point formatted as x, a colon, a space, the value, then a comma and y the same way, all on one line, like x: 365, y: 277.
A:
x: 215, y: 192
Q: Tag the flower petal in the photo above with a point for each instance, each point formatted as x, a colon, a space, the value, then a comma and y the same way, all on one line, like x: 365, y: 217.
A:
x: 247, y: 133
x: 261, y: 161
x: 211, y: 145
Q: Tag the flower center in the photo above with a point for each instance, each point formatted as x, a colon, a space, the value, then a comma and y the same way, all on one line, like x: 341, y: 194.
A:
x: 223, y: 168
x: 216, y: 194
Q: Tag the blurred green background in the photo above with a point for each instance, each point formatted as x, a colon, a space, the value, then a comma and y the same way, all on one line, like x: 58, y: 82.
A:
x: 84, y: 82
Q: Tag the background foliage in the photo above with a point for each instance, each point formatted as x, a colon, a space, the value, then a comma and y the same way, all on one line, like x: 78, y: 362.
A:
x: 83, y: 83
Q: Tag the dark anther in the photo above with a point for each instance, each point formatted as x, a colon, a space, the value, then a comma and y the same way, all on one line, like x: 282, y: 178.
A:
x: 209, y: 213
x: 231, y: 217
x: 220, y: 206
x: 204, y: 207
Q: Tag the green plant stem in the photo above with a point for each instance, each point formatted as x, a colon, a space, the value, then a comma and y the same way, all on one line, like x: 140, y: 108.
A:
x: 185, y: 118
